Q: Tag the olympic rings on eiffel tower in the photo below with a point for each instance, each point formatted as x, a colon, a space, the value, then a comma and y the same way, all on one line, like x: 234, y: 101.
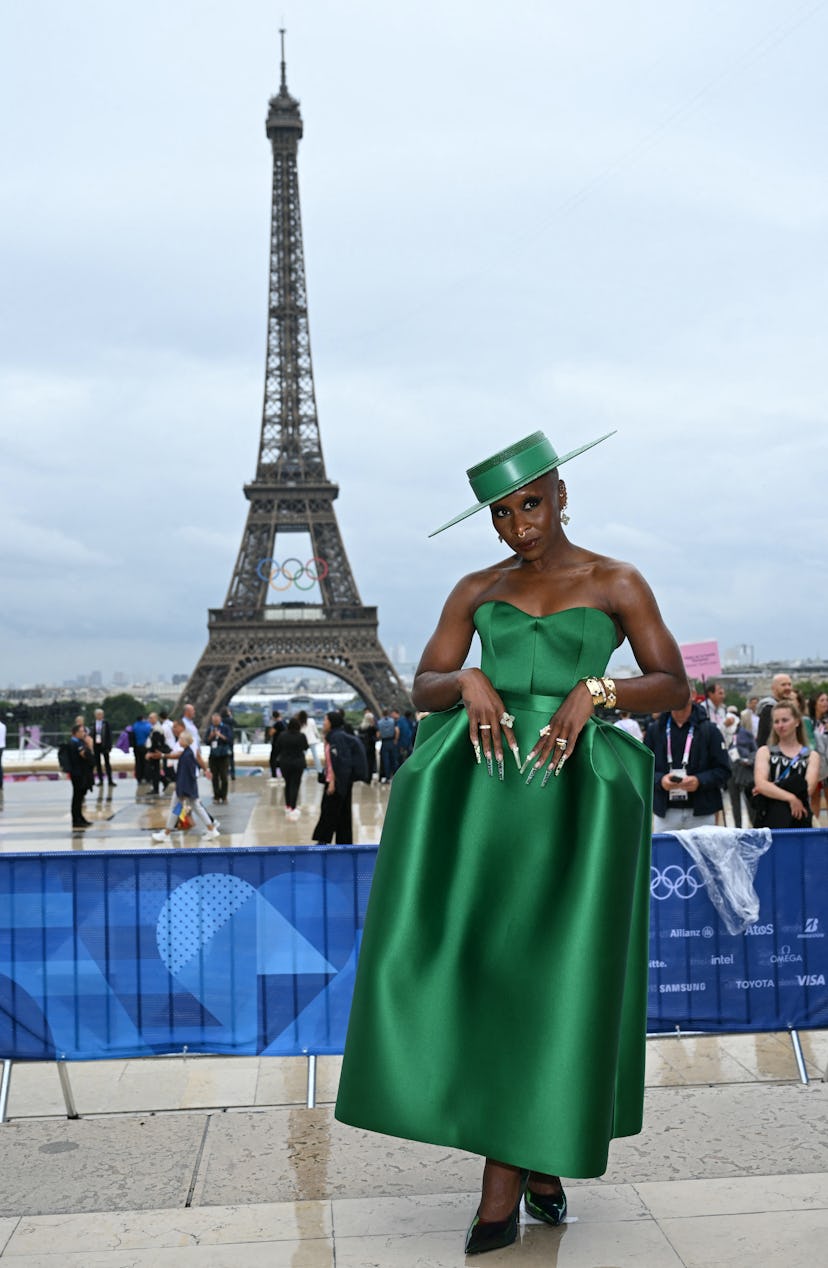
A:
x: 315, y: 569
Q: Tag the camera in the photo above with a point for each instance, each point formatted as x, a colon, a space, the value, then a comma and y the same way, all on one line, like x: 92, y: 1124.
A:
x: 675, y: 777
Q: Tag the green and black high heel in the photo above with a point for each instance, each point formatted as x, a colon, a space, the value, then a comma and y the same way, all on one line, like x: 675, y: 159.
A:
x: 486, y: 1235
x: 542, y: 1206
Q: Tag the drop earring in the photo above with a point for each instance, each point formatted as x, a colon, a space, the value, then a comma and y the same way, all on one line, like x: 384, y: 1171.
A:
x: 564, y: 502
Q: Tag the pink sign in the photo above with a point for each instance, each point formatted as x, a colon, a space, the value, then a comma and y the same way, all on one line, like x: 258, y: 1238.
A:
x: 701, y: 660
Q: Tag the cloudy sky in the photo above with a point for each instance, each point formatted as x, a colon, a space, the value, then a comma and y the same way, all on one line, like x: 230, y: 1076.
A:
x: 544, y: 214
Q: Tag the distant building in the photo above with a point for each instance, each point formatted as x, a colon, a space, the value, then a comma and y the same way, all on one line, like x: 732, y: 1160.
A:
x: 742, y: 654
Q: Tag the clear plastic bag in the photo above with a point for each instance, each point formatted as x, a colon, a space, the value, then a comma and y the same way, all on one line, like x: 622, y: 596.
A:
x: 727, y: 859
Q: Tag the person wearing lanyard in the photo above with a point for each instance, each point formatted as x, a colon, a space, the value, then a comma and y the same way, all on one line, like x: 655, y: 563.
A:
x: 691, y: 769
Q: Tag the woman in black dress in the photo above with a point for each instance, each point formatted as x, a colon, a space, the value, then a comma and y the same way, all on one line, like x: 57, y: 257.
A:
x: 787, y: 773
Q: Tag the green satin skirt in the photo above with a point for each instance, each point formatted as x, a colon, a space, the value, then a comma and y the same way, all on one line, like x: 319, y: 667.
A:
x: 501, y: 996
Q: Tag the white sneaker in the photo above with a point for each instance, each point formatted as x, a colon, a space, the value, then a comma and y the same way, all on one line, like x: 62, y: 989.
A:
x: 212, y: 834
x: 161, y: 837
x: 293, y: 815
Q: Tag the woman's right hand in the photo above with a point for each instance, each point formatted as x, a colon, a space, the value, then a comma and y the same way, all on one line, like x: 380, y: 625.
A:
x: 485, y: 709
x: 797, y: 808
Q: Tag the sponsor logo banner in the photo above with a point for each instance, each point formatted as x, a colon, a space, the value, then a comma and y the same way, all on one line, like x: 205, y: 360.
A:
x: 772, y: 976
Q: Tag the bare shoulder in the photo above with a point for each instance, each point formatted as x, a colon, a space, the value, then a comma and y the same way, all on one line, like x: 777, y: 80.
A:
x: 473, y: 589
x: 620, y: 581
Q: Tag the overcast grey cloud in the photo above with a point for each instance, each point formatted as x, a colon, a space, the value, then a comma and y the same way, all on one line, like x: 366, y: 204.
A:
x: 573, y: 217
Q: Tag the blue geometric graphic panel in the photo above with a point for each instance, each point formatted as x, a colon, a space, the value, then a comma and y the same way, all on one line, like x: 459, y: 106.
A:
x: 106, y: 955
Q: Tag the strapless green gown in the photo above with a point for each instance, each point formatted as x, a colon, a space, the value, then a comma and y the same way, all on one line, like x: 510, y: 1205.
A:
x: 500, y: 1003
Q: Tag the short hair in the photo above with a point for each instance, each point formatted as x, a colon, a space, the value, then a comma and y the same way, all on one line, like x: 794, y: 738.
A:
x: 185, y: 738
x: 710, y: 688
x: 294, y: 724
x: 336, y: 718
x: 79, y: 726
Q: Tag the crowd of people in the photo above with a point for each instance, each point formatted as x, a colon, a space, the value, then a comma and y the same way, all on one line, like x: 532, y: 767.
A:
x: 387, y: 743
x: 167, y: 753
x: 765, y: 765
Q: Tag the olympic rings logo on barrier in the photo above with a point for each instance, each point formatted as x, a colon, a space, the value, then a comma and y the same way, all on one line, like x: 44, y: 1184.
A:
x: 315, y: 569
x: 673, y: 880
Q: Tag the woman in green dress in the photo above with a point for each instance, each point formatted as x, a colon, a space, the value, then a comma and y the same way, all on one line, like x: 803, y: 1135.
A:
x: 501, y: 995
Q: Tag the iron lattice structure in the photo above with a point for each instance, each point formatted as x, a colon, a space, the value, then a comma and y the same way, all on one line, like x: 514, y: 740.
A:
x: 251, y: 634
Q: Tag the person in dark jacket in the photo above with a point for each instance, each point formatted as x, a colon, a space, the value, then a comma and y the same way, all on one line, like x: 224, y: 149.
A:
x: 140, y: 735
x: 691, y: 769
x: 220, y: 739
x: 289, y: 750
x: 102, y: 741
x: 345, y: 762
x: 81, y: 766
x: 277, y: 726
x: 369, y: 735
x: 186, y: 787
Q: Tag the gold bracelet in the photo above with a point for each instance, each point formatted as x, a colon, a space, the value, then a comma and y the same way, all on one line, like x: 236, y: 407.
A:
x: 609, y: 691
x: 597, y: 690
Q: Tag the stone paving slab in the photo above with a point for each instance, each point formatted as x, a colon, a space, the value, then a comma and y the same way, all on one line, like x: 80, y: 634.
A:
x: 778, y: 1221
x: 112, y: 1164
x: 280, y: 1154
x: 161, y: 1229
x: 689, y: 1133
x: 737, y: 1129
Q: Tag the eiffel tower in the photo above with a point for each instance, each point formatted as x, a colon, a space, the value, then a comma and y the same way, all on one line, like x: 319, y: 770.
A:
x: 259, y: 629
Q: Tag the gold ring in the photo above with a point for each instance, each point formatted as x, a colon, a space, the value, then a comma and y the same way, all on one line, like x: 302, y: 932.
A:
x: 561, y: 742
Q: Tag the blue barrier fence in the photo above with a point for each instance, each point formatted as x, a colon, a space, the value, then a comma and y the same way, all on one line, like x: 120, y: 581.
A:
x: 773, y: 976
x: 124, y: 954
x: 137, y: 953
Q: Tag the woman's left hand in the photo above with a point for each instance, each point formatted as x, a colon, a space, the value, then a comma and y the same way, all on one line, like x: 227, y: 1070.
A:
x: 558, y: 738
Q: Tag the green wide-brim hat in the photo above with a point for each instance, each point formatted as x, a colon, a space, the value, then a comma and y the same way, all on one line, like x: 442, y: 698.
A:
x: 507, y: 471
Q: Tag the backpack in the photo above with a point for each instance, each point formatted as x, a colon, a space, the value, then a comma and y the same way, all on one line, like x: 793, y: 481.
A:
x: 64, y: 756
x: 358, y: 759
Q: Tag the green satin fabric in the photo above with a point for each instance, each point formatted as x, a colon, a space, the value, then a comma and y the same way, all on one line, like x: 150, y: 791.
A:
x: 501, y: 996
